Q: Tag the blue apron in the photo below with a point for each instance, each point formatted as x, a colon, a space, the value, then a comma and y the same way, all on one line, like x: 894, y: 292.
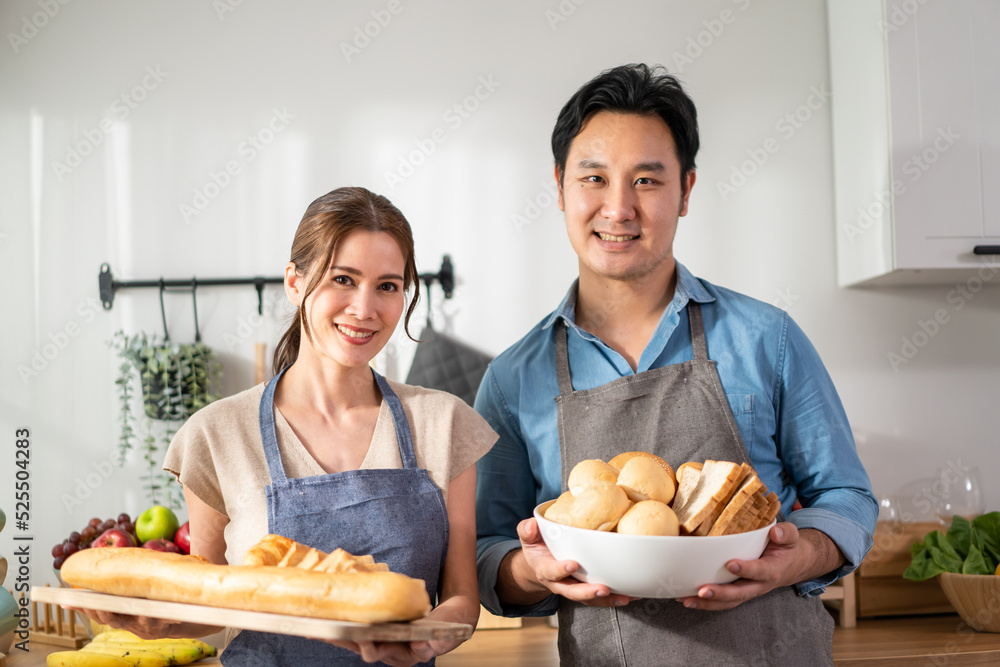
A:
x: 396, y: 515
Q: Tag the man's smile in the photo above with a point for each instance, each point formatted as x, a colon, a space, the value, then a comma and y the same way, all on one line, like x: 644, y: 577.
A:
x: 609, y: 237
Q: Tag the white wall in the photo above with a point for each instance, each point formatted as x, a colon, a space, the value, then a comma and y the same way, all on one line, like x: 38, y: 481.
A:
x: 221, y: 77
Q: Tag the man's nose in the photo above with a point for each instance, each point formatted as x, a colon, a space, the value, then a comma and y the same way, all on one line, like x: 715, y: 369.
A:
x: 619, y: 203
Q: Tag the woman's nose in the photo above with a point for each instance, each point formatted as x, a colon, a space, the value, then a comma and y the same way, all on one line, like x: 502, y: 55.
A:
x: 362, y: 305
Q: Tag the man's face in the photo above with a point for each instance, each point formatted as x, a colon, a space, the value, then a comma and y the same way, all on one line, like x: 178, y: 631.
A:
x: 622, y: 193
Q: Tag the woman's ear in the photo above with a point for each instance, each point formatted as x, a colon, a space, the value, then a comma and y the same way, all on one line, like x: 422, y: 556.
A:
x: 295, y: 285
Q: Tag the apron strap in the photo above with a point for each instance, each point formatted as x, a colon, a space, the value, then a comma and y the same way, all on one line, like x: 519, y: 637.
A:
x: 562, y: 359
x: 403, y: 436
x: 697, y: 330
x: 268, y: 432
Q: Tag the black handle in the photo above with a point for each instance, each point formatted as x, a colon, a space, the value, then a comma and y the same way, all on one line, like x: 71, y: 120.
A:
x: 986, y: 250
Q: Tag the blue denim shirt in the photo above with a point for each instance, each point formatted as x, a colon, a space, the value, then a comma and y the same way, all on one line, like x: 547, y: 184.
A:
x: 785, y: 405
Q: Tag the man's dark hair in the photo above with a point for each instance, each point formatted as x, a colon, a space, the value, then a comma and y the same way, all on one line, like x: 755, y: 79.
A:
x: 636, y: 89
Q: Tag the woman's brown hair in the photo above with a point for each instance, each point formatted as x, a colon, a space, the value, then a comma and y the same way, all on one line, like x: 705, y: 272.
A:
x: 326, y: 222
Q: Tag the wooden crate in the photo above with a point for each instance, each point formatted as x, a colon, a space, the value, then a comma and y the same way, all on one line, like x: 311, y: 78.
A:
x: 880, y: 587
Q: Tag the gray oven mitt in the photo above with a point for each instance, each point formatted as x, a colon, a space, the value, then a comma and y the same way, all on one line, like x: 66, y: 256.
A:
x: 441, y: 362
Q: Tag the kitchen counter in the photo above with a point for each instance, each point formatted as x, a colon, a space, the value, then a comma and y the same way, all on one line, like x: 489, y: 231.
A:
x: 884, y: 642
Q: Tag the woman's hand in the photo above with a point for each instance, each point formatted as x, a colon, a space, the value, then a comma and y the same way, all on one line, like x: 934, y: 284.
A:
x: 146, y: 627
x: 459, y: 590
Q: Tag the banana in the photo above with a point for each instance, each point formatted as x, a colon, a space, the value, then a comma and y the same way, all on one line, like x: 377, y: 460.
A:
x: 135, y: 657
x: 126, y: 636
x: 179, y: 653
x: 118, y: 636
x: 209, y: 650
x: 81, y: 659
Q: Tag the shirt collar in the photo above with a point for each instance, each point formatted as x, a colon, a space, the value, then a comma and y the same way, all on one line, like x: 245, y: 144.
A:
x: 689, y: 288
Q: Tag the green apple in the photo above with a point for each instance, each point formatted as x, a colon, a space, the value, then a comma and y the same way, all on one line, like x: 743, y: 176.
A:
x: 3, y: 519
x: 156, y: 523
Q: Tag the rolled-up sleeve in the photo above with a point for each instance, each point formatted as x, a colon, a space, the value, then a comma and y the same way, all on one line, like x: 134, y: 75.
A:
x: 505, y: 495
x: 818, y: 453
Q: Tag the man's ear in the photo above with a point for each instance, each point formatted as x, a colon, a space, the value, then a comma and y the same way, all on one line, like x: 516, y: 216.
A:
x: 688, y: 184
x: 295, y: 285
x: 559, y: 186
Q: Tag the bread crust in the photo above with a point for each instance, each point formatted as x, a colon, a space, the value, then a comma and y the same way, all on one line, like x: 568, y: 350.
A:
x: 366, y: 597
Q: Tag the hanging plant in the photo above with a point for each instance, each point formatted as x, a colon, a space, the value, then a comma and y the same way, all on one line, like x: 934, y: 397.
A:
x: 175, y: 380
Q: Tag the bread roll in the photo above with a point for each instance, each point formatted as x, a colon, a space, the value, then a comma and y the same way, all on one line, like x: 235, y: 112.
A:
x: 649, y: 517
x: 643, y: 478
x: 559, y: 511
x: 599, y: 506
x: 587, y: 472
x: 368, y: 597
x: 623, y: 458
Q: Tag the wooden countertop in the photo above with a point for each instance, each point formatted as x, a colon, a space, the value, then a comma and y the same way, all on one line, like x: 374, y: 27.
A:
x: 883, y: 642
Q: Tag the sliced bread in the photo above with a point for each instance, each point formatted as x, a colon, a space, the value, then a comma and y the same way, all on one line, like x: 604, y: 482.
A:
x: 746, y: 471
x: 741, y: 502
x: 716, y: 484
x: 687, y: 481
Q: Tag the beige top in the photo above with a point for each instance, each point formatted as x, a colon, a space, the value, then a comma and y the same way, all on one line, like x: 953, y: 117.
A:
x: 219, y: 456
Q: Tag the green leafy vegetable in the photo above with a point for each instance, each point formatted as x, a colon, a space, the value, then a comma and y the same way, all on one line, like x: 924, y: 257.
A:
x: 967, y: 548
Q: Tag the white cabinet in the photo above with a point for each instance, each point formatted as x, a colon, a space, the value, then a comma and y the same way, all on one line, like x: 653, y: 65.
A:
x: 916, y: 139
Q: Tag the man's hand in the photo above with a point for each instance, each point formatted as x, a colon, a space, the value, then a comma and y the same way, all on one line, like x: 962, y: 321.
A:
x: 791, y: 557
x: 529, y: 575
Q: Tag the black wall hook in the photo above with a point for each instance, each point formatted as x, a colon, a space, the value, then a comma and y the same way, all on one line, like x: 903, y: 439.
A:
x: 163, y: 311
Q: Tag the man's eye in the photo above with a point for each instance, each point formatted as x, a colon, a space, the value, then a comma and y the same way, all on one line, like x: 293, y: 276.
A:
x: 593, y: 179
x: 644, y: 181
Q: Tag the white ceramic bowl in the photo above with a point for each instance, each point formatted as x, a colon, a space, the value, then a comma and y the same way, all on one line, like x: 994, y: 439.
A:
x: 650, y: 566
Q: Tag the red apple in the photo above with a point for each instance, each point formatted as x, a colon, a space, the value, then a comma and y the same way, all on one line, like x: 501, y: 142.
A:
x: 161, y: 544
x: 183, y: 537
x: 114, y: 537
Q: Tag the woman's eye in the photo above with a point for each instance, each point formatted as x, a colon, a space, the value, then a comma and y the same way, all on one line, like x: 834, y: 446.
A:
x: 389, y: 287
x: 343, y: 280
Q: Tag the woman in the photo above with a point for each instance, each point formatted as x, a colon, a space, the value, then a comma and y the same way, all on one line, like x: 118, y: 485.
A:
x: 328, y: 452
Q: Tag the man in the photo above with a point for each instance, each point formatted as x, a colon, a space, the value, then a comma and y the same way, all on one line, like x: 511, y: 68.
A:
x: 638, y: 356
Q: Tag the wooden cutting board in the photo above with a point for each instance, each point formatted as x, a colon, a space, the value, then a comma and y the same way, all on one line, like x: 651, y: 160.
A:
x: 319, y: 628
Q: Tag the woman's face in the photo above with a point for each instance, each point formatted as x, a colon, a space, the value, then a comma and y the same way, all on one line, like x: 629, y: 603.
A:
x: 355, y: 307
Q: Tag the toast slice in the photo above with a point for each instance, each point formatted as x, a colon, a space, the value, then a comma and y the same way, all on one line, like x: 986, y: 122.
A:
x: 739, y: 506
x: 768, y: 513
x: 705, y: 526
x: 750, y: 518
x: 716, y: 484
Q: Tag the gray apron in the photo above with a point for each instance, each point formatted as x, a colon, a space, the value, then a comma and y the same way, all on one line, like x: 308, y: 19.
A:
x: 397, y: 515
x: 680, y: 413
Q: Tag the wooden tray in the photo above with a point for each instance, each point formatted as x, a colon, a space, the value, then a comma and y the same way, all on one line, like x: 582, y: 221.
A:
x: 319, y: 628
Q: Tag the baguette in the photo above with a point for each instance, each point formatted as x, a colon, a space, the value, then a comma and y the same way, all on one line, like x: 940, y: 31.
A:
x: 364, y: 597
